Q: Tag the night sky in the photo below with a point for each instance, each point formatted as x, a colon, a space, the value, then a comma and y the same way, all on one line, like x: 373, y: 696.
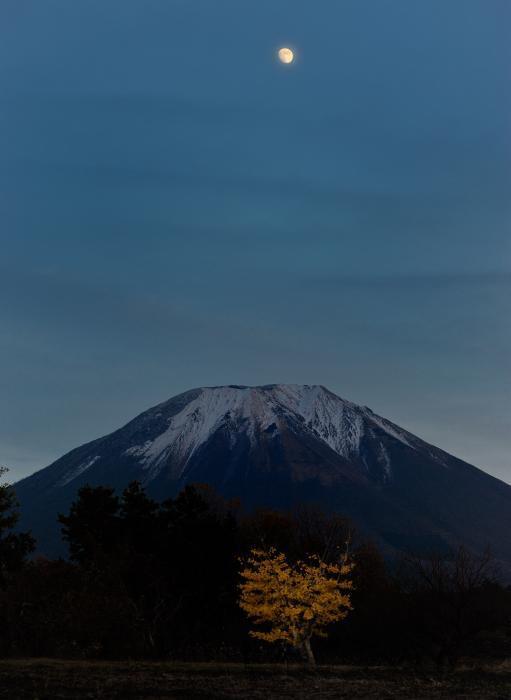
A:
x: 178, y: 209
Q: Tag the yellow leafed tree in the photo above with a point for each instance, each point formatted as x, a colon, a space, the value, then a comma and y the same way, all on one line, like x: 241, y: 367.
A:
x: 296, y: 601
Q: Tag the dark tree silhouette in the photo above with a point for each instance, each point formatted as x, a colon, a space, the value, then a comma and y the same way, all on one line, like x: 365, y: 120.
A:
x: 92, y: 527
x: 14, y: 546
x: 450, y: 600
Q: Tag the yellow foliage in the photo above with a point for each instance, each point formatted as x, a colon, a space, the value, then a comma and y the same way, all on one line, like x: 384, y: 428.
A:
x: 293, y: 601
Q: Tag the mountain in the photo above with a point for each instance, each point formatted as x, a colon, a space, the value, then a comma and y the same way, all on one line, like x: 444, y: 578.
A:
x: 278, y: 445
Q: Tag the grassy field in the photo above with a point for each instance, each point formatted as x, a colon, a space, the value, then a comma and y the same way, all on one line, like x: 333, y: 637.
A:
x: 62, y: 680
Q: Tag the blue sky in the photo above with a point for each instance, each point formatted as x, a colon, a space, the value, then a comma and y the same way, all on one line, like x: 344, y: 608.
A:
x: 178, y: 209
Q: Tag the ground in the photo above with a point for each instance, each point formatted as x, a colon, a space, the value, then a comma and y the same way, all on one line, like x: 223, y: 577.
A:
x: 67, y: 680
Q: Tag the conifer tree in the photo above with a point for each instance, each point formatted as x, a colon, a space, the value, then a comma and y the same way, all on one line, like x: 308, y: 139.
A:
x: 14, y: 546
x: 92, y: 527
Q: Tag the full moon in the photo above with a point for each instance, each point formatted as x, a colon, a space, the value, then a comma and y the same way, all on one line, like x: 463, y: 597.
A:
x: 286, y: 55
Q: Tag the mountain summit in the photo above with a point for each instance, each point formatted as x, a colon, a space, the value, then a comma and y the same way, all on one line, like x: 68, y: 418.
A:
x: 279, y: 445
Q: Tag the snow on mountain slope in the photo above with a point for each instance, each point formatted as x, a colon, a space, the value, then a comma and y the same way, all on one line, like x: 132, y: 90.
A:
x: 253, y: 410
x: 172, y: 438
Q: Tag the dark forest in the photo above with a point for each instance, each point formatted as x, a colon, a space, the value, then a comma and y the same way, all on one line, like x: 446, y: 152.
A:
x: 148, y: 580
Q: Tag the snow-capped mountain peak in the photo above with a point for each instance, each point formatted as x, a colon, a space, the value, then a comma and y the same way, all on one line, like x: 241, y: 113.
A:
x: 277, y: 446
x: 252, y: 412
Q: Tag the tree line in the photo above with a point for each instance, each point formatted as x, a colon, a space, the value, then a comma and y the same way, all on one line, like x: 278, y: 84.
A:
x: 195, y: 578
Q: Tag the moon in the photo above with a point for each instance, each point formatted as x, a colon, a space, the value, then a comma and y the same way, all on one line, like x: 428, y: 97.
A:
x: 286, y: 55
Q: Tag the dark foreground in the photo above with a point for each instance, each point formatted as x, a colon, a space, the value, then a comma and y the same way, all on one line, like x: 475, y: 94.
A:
x: 63, y: 680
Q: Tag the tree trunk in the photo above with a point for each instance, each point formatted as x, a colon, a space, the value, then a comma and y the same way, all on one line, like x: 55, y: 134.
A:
x: 308, y: 653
